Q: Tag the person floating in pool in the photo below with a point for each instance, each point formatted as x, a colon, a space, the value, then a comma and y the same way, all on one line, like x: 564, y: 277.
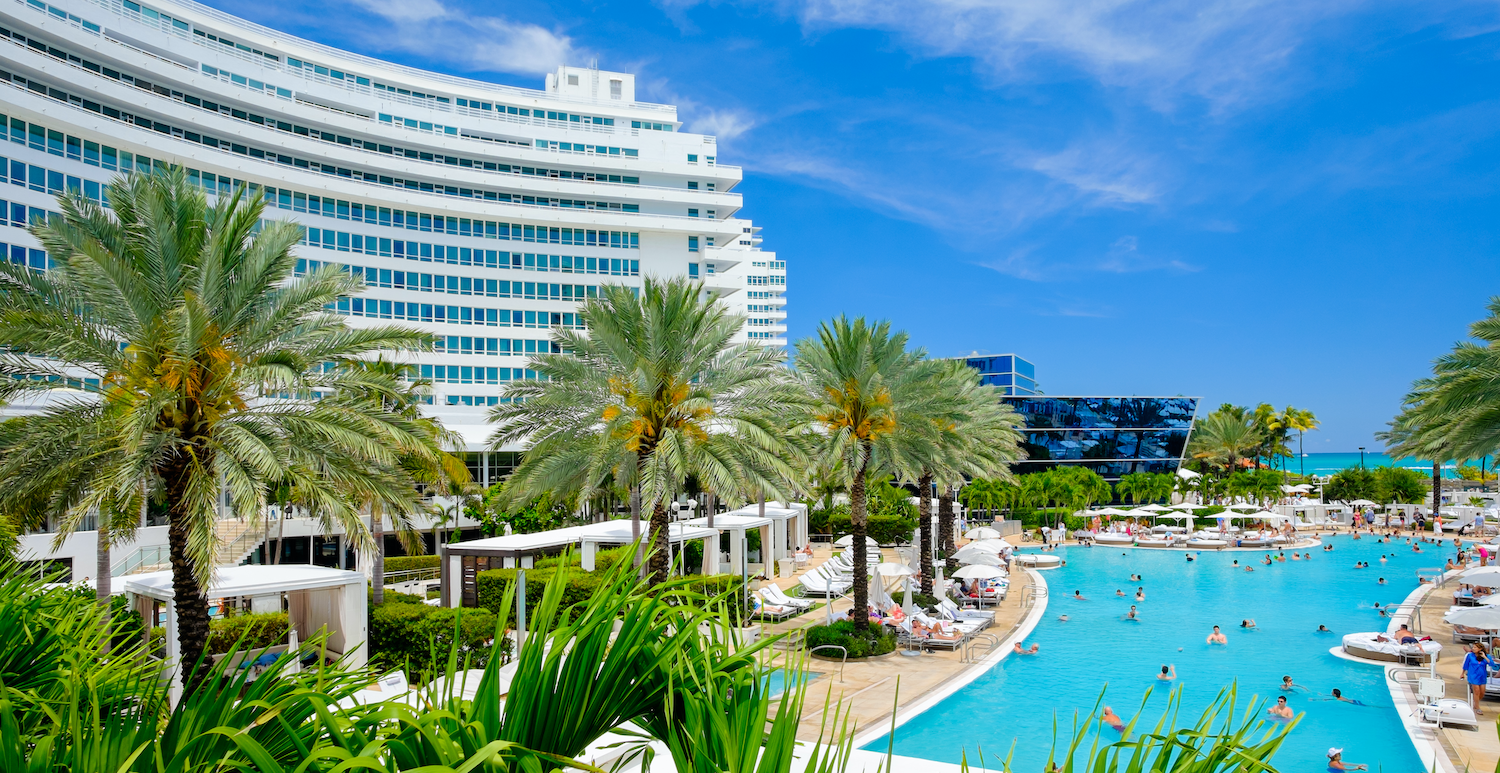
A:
x: 1327, y: 548
x: 1132, y: 614
x: 1248, y: 624
x: 1120, y: 593
x: 1249, y: 568
x: 1381, y: 580
x: 1281, y: 710
x: 1168, y: 673
x: 1336, y: 761
x: 1062, y: 618
x: 1140, y: 594
x: 1236, y: 562
x: 1217, y: 637
x: 1306, y: 556
x: 1019, y: 650
x: 1296, y: 557
x: 1078, y: 596
x: 1339, y: 696
x: 1109, y: 717
x: 1287, y: 685
x: 1266, y: 560
x: 1323, y: 629
x: 1416, y: 548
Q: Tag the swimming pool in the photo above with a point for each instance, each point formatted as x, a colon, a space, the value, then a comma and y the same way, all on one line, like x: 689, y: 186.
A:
x: 1097, y: 648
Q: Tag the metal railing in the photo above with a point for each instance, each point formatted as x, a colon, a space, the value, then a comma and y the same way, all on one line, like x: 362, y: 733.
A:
x: 838, y: 647
x: 241, y: 545
x: 143, y: 557
x: 972, y: 652
x: 413, y: 575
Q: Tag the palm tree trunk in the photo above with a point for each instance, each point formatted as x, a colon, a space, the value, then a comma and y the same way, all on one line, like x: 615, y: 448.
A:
x: 1437, y: 487
x: 924, y: 528
x: 188, y: 596
x: 635, y: 523
x: 280, y: 535
x: 102, y: 567
x: 945, y: 526
x: 658, y: 566
x: 857, y: 515
x: 377, y: 557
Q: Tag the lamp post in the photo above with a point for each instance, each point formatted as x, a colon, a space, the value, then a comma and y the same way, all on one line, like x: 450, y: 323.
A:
x: 1361, y: 457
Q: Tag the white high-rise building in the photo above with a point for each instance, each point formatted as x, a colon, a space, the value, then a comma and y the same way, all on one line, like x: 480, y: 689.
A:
x: 479, y: 212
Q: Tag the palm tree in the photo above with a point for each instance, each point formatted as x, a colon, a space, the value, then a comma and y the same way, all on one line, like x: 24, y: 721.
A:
x: 652, y: 392
x: 867, y: 392
x: 199, y: 352
x: 1134, y: 487
x: 1300, y: 420
x: 1222, y: 439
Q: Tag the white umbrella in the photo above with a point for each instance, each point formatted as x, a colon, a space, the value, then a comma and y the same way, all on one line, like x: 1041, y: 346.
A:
x: 1189, y: 506
x: 906, y: 605
x: 977, y: 572
x: 848, y: 540
x: 1140, y: 512
x: 1241, y: 506
x: 1481, y: 571
x: 1111, y: 511
x: 893, y: 569
x: 1174, y: 516
x: 1493, y: 598
x: 1485, y: 618
x: 982, y: 557
x: 1153, y: 507
x: 983, y: 532
x: 994, y: 545
x: 1186, y: 474
x: 1363, y: 503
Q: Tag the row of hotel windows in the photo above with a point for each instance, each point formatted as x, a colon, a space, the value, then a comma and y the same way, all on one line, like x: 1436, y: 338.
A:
x: 478, y: 374
x: 316, y: 71
x: 300, y: 163
x: 51, y: 181
x: 495, y: 347
x: 456, y: 285
x: 427, y: 312
x: 343, y: 241
x: 759, y: 336
x: 310, y: 132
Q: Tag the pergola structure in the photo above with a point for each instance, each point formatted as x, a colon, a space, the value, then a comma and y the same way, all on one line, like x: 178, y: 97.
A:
x: 315, y: 598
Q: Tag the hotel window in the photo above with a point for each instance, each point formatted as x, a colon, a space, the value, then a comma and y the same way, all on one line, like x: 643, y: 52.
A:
x: 692, y: 244
x: 692, y: 185
x: 692, y: 213
x: 616, y: 88
x: 572, y: 80
x: 692, y: 270
x: 692, y: 158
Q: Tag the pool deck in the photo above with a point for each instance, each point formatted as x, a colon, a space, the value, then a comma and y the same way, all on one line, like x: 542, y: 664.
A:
x: 1456, y: 748
x: 869, y: 689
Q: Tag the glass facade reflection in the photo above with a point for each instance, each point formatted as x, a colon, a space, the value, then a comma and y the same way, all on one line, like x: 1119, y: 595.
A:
x: 1114, y: 436
x: 1012, y: 375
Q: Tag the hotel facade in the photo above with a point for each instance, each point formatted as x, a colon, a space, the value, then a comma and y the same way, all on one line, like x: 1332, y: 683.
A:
x: 482, y: 213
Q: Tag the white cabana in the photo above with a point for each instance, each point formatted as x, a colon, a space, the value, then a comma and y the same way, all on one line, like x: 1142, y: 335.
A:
x: 737, y: 526
x: 788, y: 531
x: 315, y: 598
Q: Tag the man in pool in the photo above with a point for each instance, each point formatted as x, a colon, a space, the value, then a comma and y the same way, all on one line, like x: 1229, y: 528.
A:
x: 1168, y: 673
x: 1132, y: 614
x: 1078, y: 596
x: 1217, y: 637
x: 1119, y: 593
x: 1281, y: 710
x: 1339, y: 696
x: 1109, y: 717
x: 1019, y: 650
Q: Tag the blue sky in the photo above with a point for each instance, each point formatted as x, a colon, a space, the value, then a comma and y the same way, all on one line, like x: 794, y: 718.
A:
x: 1273, y: 201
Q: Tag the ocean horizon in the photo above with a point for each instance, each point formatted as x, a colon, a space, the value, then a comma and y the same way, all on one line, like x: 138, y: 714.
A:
x: 1329, y: 463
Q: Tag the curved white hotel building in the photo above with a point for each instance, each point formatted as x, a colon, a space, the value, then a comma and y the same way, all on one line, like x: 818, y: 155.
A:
x: 479, y: 212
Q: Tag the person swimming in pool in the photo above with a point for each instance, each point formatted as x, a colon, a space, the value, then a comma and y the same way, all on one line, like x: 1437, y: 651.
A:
x: 1336, y: 762
x: 1339, y: 696
x: 1249, y: 568
x: 1132, y: 614
x: 1217, y: 637
x: 1019, y: 650
x: 1062, y: 618
x: 1168, y: 673
x: 1078, y: 596
x: 1190, y: 558
x: 1247, y: 624
x: 1287, y: 685
x: 1136, y: 578
x: 1236, y: 562
x: 1119, y: 593
x: 1266, y: 560
x: 1109, y: 717
x: 1140, y: 594
x: 1281, y: 710
x: 1323, y: 629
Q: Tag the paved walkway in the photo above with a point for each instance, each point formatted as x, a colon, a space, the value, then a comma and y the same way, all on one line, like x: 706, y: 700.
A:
x: 1466, y: 749
x: 868, y: 689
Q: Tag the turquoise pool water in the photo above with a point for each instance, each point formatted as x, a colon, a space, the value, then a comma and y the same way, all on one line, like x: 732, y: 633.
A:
x: 1097, y: 649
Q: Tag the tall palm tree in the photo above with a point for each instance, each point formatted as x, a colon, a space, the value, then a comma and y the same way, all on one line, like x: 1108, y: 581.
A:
x: 866, y: 391
x: 1135, y: 487
x: 978, y: 438
x: 1291, y: 418
x: 653, y: 391
x: 1222, y: 439
x: 199, y: 352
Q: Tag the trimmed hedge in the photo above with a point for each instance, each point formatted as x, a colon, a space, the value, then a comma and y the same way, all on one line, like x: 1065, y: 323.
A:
x: 409, y: 563
x: 259, y: 631
x: 884, y: 529
x: 408, y: 635
x: 491, y: 586
x: 861, y: 644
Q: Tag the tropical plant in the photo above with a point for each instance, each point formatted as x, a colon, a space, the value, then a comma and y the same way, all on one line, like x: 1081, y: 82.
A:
x: 653, y: 391
x: 1135, y: 487
x: 196, y: 352
x: 1300, y: 420
x: 865, y: 390
x: 1351, y: 484
x: 1398, y: 484
x: 1262, y: 486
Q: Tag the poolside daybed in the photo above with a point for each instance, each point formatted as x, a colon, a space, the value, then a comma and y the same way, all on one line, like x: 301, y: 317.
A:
x: 1365, y: 645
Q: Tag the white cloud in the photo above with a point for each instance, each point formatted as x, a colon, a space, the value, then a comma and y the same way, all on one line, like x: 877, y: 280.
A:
x: 725, y: 124
x: 1106, y: 175
x: 1125, y: 257
x: 485, y: 43
x: 1219, y: 50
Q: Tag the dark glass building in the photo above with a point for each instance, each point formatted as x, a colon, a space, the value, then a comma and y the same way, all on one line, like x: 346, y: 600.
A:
x: 1011, y: 374
x: 1114, y: 436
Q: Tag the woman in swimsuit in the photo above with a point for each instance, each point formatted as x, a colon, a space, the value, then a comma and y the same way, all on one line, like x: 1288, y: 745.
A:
x: 1336, y: 762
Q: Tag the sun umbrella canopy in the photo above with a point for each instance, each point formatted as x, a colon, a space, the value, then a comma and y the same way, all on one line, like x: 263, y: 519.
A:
x: 1111, y: 511
x: 1486, y: 617
x: 1493, y: 598
x: 893, y: 569
x: 977, y: 572
x: 1363, y: 503
x: 1241, y: 506
x: 848, y: 539
x: 1189, y: 506
x: 1481, y: 571
x: 1153, y: 507
x: 981, y: 557
x: 983, y: 532
x: 995, y: 545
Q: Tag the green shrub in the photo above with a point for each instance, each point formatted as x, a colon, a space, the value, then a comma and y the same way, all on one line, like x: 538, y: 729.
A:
x: 861, y: 644
x: 410, y: 563
x: 886, y: 529
x: 924, y: 601
x: 259, y: 631
x: 406, y: 636
x: 394, y: 597
x: 491, y: 585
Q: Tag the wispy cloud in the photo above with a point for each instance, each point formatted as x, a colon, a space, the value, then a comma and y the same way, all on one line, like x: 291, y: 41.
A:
x: 1034, y: 262
x: 432, y: 29
x: 1220, y: 51
x: 725, y: 124
x: 1108, y: 175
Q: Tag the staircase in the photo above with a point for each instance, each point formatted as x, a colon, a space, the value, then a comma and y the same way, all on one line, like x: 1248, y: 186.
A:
x: 237, y: 540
